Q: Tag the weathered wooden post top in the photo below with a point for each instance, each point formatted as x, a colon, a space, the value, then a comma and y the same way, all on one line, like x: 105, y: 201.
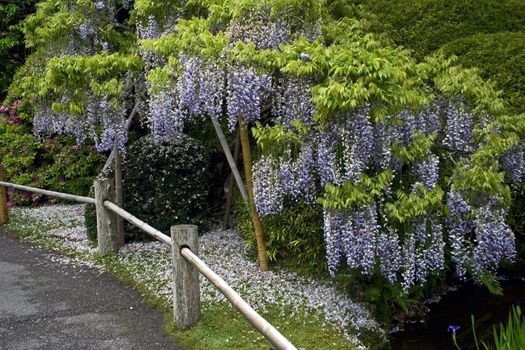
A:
x: 186, y: 290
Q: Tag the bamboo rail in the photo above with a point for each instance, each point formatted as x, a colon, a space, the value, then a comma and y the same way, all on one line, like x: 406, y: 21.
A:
x: 138, y: 223
x: 65, y: 196
x: 257, y: 321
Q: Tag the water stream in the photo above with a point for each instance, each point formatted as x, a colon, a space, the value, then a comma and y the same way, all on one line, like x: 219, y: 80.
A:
x: 455, y: 308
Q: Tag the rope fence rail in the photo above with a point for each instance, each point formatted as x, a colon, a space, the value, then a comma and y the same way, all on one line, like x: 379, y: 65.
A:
x: 184, y: 244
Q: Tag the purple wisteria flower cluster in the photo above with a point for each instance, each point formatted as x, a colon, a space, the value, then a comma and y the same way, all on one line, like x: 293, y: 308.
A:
x: 274, y: 179
x: 494, y: 240
x: 358, y: 142
x: 427, y: 171
x: 100, y: 114
x: 165, y: 119
x: 47, y: 122
x: 260, y: 29
x: 514, y: 163
x: 293, y: 101
x: 343, y: 151
x: 459, y: 127
x: 247, y: 91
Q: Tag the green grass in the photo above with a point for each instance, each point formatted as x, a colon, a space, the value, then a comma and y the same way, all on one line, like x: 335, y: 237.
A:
x: 222, y: 327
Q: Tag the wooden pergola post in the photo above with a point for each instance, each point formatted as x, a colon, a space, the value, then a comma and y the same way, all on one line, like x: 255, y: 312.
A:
x: 247, y: 161
x: 231, y: 185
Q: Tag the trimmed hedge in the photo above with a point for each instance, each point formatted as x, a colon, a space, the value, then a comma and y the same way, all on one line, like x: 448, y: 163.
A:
x: 163, y: 185
x: 425, y: 25
x: 500, y: 57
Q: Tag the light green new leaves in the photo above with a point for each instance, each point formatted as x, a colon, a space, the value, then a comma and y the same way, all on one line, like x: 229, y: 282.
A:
x: 356, y: 194
x: 415, y: 204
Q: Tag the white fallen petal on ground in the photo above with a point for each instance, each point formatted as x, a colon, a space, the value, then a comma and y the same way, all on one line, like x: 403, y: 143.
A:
x: 225, y: 253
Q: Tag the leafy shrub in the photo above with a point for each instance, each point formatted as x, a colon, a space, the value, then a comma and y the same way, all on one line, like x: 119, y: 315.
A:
x: 165, y: 184
x: 500, y: 57
x: 296, y: 233
x: 57, y: 164
x: 12, y: 54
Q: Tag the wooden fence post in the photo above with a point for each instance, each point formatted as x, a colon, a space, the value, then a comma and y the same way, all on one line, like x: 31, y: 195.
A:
x: 186, y: 290
x: 4, y: 216
x: 109, y: 240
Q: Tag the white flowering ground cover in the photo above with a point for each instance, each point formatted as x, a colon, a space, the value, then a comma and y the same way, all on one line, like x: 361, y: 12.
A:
x: 149, y: 264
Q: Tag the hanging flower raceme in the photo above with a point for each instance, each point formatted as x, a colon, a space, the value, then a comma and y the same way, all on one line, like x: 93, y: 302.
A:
x: 259, y: 28
x: 326, y: 157
x: 165, y: 119
x: 494, y: 240
x: 333, y: 226
x: 212, y: 90
x: 428, y: 119
x: 358, y: 142
x: 247, y: 90
x: 459, y: 127
x: 115, y: 132
x: 268, y: 192
x: 514, y: 163
x: 46, y: 122
x: 427, y: 171
x: 383, y: 137
x: 389, y: 253
x: 293, y: 101
x: 189, y: 85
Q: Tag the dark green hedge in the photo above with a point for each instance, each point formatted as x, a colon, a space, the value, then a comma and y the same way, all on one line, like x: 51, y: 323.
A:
x: 425, y: 25
x: 500, y: 57
x: 165, y: 185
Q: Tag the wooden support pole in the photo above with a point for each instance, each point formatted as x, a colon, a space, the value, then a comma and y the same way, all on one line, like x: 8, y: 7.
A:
x: 118, y: 190
x: 231, y: 185
x: 4, y: 216
x: 247, y: 161
x: 186, y: 290
x: 109, y: 241
x: 229, y: 157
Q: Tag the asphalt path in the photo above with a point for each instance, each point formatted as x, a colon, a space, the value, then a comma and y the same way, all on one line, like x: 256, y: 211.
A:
x: 45, y: 304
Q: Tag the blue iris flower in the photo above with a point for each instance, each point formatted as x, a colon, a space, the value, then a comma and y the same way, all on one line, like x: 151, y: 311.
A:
x: 453, y: 328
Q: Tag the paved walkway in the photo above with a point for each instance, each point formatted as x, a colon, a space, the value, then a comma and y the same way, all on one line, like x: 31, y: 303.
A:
x: 49, y: 305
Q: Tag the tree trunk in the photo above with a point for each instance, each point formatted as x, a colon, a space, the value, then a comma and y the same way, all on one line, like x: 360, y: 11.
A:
x: 247, y: 161
x: 231, y: 186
